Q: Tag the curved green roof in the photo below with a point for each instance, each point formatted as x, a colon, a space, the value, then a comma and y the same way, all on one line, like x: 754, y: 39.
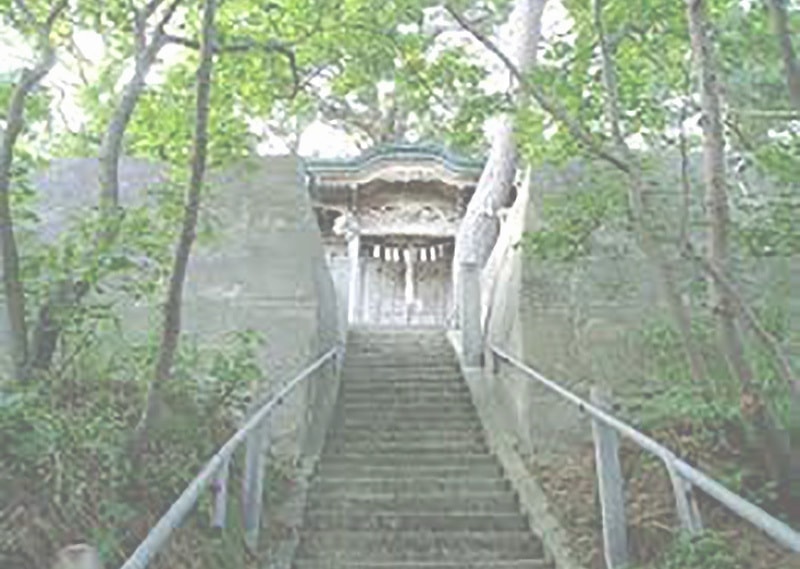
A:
x: 399, y: 152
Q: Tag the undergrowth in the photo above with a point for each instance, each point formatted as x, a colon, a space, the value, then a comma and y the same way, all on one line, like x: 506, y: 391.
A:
x: 709, y: 550
x: 67, y: 475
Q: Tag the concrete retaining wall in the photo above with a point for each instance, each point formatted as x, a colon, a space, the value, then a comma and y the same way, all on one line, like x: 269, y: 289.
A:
x: 264, y: 269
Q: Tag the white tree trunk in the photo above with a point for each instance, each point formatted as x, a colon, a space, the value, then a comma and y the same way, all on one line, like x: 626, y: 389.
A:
x: 479, y: 228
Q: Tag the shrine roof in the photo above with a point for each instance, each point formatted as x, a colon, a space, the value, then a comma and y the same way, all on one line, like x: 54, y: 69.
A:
x: 395, y: 163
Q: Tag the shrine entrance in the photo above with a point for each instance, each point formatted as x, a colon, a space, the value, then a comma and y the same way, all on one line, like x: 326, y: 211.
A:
x: 388, y: 220
x: 405, y: 283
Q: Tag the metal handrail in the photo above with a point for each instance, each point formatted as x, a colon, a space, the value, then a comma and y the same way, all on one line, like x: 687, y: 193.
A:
x: 161, y: 532
x: 776, y: 529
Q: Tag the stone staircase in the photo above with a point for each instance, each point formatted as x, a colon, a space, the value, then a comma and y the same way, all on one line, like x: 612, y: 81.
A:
x: 406, y: 480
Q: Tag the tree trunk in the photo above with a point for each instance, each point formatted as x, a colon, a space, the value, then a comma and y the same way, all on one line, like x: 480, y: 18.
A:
x: 716, y: 191
x: 15, y: 121
x: 66, y: 295
x: 780, y: 22
x: 768, y: 438
x: 638, y: 209
x: 111, y: 145
x: 170, y: 333
x: 479, y: 228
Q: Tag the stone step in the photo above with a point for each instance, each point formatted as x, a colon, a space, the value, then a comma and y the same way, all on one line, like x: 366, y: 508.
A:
x: 490, y: 502
x: 391, y: 353
x: 416, y: 521
x: 418, y: 484
x: 419, y: 545
x: 397, y: 459
x: 442, y: 424
x: 406, y: 398
x: 419, y: 447
x: 406, y: 380
x: 409, y: 402
x: 383, y: 422
x: 390, y: 349
x: 449, y: 471
x: 407, y: 410
x: 403, y: 387
x: 420, y: 363
x: 386, y: 417
x: 462, y: 564
x: 408, y: 436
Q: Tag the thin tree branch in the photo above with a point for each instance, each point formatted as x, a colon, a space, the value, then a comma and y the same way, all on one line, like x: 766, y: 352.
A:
x: 683, y: 146
x: 249, y: 45
x: 746, y: 312
x: 15, y: 120
x: 767, y: 114
x: 150, y: 9
x: 780, y: 21
x: 171, y: 328
x: 111, y: 145
x: 610, y: 81
x: 26, y: 12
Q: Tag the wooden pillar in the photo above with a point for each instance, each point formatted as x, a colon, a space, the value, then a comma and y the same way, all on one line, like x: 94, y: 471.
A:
x: 353, y: 300
x: 410, y: 294
x: 610, y: 486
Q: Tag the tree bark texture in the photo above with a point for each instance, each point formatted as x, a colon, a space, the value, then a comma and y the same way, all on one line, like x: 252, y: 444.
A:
x: 783, y: 461
x: 171, y: 327
x: 479, y: 228
x: 15, y: 122
x: 780, y: 22
x: 111, y: 145
x: 716, y: 190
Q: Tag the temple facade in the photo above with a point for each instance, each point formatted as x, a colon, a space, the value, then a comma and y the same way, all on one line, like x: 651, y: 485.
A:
x: 389, y: 219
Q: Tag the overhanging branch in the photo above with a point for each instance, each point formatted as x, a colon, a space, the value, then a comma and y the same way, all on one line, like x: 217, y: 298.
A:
x: 558, y: 112
x: 246, y: 45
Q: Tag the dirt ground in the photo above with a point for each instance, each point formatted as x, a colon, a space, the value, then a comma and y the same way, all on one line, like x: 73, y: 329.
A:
x: 570, y: 486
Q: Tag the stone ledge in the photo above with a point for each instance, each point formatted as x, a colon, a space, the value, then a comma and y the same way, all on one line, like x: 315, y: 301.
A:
x: 533, y: 501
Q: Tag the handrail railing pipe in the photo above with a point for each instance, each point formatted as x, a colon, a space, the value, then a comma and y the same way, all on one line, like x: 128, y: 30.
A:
x: 683, y: 476
x: 214, y: 474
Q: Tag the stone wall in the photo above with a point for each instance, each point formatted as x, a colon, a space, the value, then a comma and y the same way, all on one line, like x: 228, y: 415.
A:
x: 263, y: 270
x: 580, y: 323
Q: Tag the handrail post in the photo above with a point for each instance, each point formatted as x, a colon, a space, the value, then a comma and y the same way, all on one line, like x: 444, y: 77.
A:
x: 610, y: 486
x: 220, y: 489
x: 685, y: 502
x: 470, y: 304
x: 253, y: 483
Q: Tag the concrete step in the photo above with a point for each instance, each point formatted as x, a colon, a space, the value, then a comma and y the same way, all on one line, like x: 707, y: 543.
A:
x: 419, y: 447
x: 407, y: 380
x: 490, y: 502
x: 438, y: 353
x: 419, y: 363
x: 447, y: 470
x: 407, y: 410
x: 371, y: 376
x: 408, y: 436
x: 404, y: 387
x: 419, y: 545
x: 417, y: 521
x: 418, y: 484
x: 384, y: 422
x: 447, y: 425
x: 409, y: 397
x: 397, y: 459
x: 462, y: 564
x: 387, y: 417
